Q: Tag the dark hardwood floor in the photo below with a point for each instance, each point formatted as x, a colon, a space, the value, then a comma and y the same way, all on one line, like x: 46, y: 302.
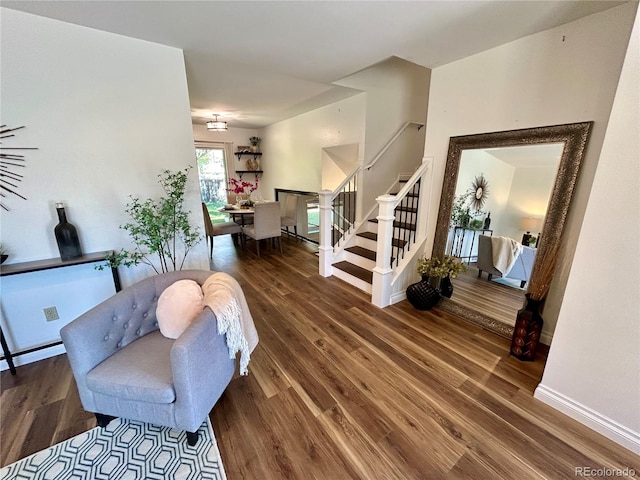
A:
x: 339, y: 389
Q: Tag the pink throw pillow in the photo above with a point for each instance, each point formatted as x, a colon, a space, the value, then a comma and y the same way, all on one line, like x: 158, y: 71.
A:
x: 178, y: 306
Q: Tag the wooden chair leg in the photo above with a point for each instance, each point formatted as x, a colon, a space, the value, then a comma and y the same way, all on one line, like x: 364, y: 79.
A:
x: 295, y: 230
x: 192, y: 438
x: 489, y: 277
x: 104, y: 420
x: 479, y: 273
x: 258, y: 248
x: 280, y: 244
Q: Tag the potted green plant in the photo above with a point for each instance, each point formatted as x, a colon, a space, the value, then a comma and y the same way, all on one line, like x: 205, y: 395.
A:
x: 159, y: 229
x: 444, y: 268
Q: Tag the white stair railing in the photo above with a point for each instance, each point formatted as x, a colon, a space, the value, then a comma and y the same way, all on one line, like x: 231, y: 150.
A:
x: 339, y: 211
x: 390, y: 258
x: 375, y: 159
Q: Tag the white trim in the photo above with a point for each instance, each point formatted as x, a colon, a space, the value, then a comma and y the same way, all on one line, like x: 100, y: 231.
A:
x: 398, y: 297
x: 589, y: 417
x: 34, y: 356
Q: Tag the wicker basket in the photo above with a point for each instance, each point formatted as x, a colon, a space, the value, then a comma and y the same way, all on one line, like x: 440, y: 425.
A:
x: 422, y: 295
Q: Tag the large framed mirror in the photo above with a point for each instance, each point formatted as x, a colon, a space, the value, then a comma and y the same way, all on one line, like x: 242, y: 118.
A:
x: 569, y: 142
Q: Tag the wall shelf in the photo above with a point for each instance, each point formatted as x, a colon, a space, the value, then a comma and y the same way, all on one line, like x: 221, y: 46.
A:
x: 256, y: 173
x: 254, y: 154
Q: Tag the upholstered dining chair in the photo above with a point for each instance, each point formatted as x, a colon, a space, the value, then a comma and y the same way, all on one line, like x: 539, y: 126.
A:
x: 289, y: 216
x: 214, y: 229
x: 266, y: 224
x: 124, y: 366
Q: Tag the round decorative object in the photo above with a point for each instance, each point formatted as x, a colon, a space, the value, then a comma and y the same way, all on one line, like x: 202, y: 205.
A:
x: 253, y: 164
x: 480, y: 188
x: 422, y: 295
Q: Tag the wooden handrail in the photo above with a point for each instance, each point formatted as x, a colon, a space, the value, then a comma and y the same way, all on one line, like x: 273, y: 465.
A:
x: 390, y: 142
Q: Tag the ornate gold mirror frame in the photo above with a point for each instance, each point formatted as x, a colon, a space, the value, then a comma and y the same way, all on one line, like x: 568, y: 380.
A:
x: 574, y: 136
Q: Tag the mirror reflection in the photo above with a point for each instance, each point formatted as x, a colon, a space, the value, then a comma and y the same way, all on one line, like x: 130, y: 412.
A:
x: 500, y: 202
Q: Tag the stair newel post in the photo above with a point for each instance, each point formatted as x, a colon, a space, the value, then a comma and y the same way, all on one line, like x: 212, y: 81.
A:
x: 326, y: 248
x: 382, y: 273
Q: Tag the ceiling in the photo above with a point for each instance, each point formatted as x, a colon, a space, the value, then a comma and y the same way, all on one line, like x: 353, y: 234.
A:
x: 258, y: 62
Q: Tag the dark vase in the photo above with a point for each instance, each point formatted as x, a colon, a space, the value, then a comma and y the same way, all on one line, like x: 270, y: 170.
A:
x: 66, y: 236
x: 487, y: 222
x: 526, y: 334
x: 446, y: 287
x: 422, y: 295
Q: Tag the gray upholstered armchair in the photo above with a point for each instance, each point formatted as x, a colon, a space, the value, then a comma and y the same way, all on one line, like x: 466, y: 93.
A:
x: 124, y: 367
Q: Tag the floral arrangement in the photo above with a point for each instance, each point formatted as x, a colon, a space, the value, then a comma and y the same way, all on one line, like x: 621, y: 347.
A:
x: 239, y: 186
x: 255, y: 141
x: 447, y: 266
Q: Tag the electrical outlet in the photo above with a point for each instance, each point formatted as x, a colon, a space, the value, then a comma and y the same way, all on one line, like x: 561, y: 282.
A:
x: 51, y: 314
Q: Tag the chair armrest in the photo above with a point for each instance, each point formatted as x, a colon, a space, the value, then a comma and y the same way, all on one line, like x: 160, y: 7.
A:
x: 201, y: 369
x: 88, y: 343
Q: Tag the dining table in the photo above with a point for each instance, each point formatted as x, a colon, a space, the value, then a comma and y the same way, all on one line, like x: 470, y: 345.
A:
x: 240, y: 215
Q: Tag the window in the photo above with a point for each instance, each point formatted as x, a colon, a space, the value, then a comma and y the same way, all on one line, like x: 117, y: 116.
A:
x: 212, y: 172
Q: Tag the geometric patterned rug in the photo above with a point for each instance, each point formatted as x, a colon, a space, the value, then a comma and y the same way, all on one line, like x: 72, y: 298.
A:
x: 124, y: 450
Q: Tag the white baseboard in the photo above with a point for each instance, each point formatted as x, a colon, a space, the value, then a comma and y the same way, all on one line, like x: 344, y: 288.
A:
x: 34, y: 356
x: 397, y: 297
x: 589, y: 417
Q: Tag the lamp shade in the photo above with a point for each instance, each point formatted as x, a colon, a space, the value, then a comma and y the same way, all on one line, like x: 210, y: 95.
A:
x: 217, y: 126
x: 531, y: 224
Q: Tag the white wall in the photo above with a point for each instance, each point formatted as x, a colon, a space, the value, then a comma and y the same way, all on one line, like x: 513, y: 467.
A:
x: 292, y: 149
x: 593, y: 369
x: 562, y: 75
x: 108, y: 114
x: 397, y: 92
x: 529, y: 197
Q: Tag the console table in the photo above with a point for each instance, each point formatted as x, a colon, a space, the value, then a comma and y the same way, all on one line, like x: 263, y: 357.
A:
x: 459, y: 234
x: 48, y: 264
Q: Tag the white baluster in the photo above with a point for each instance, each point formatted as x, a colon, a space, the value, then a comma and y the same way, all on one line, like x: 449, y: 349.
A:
x: 326, y: 248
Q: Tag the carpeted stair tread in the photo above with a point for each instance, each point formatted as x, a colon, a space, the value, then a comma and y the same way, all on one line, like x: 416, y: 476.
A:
x: 374, y: 236
x: 397, y: 224
x: 363, y: 252
x: 401, y: 208
x: 415, y: 195
x: 356, y: 271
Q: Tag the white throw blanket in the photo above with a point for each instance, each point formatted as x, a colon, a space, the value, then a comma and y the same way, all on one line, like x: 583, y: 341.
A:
x: 224, y: 296
x: 505, y: 253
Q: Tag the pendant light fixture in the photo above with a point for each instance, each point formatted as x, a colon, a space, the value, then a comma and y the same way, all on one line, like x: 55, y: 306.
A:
x: 216, y: 126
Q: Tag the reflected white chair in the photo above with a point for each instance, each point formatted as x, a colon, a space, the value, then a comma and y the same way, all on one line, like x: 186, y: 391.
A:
x: 266, y: 224
x: 214, y: 229
x: 290, y: 214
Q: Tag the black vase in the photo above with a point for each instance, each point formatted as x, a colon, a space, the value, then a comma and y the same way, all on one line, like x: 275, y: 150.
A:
x: 66, y: 236
x: 526, y: 334
x: 446, y: 287
x: 422, y: 295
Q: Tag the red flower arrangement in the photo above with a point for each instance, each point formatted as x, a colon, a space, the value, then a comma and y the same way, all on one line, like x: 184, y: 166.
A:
x: 238, y: 186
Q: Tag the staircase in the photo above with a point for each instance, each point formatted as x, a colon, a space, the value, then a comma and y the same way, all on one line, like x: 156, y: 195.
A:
x: 359, y: 259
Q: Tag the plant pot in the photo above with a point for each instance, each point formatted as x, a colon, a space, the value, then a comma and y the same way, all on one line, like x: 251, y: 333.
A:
x: 4, y: 258
x: 527, y: 331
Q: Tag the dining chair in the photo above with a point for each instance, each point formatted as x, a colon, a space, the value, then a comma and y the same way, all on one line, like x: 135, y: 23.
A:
x: 266, y: 224
x: 214, y: 229
x: 290, y: 214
